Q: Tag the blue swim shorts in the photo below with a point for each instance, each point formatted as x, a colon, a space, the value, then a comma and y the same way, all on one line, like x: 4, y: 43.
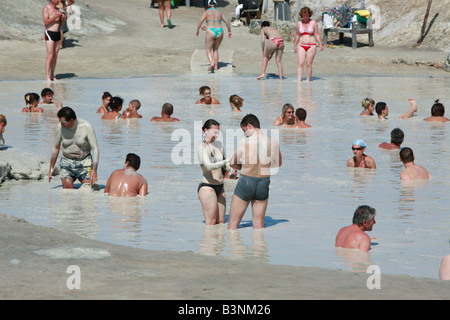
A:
x: 252, y: 188
x: 75, y: 168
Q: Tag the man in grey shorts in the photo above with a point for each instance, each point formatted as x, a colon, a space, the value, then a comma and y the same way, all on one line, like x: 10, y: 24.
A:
x: 255, y: 155
x: 77, y: 138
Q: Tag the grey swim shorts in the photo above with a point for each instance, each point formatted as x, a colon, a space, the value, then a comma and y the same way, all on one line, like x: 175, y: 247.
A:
x: 252, y: 188
x: 75, y: 168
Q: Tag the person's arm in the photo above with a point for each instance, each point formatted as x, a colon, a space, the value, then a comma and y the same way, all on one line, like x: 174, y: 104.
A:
x: 92, y: 138
x: 203, y: 18
x: 54, y: 157
x: 108, y: 185
x: 263, y: 40
x: 364, y: 244
x: 227, y: 23
x: 144, y: 188
x: 206, y: 162
x: 317, y: 35
x: 50, y: 19
x: 297, y: 37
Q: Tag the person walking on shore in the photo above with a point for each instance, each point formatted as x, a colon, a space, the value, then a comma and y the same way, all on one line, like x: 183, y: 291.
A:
x: 214, y: 33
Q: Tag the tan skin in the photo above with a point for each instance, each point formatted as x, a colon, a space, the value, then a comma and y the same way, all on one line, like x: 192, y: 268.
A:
x: 207, y: 99
x: 33, y: 107
x: 126, y: 183
x: 288, y: 118
x: 304, y: 56
x: 361, y: 160
x: 53, y: 19
x: 354, y: 236
x: 104, y: 107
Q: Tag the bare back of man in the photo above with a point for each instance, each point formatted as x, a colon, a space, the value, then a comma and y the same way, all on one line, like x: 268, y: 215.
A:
x: 126, y: 183
x: 414, y: 172
x: 352, y: 237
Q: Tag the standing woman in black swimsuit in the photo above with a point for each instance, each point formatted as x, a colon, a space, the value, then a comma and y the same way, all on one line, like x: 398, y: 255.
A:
x: 212, y: 160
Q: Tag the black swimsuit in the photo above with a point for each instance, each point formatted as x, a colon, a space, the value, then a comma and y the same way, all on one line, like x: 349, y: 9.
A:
x: 217, y: 187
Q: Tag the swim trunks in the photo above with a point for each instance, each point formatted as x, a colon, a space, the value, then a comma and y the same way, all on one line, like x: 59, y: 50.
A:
x: 217, y: 187
x: 52, y: 35
x: 75, y: 168
x: 252, y: 188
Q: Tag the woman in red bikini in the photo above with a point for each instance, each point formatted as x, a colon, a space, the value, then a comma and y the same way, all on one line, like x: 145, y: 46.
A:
x: 306, y: 37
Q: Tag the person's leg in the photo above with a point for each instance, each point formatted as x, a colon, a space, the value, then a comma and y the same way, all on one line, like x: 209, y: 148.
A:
x: 222, y: 206
x: 55, y: 58
x: 269, y: 49
x: 208, y: 200
x: 67, y: 183
x: 259, y: 213
x: 161, y: 12
x: 279, y: 55
x: 301, y: 57
x: 237, y: 210
x: 309, y: 61
x: 217, y: 43
x: 168, y: 8
x: 49, y: 59
x: 209, y: 43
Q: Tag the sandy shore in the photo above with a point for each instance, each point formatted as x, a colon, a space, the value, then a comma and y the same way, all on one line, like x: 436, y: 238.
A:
x: 140, y: 47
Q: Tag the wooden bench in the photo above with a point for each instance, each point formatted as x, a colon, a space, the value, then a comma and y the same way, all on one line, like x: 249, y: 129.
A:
x: 248, y: 13
x: 355, y: 29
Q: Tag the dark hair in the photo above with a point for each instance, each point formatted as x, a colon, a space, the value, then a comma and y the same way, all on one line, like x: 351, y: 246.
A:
x: 66, y: 113
x: 380, y: 106
x: 116, y: 103
x: 133, y: 160
x: 167, y: 108
x: 31, y: 97
x: 301, y: 114
x: 46, y: 91
x: 106, y: 94
x: 250, y: 119
x: 406, y: 155
x: 209, y: 123
x: 437, y: 110
x: 397, y: 136
x: 363, y: 213
x: 203, y: 88
x: 265, y: 24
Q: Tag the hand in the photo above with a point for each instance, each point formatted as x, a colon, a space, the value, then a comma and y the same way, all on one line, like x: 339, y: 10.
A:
x: 321, y: 47
x: 229, y: 34
x: 93, y: 177
x: 295, y: 48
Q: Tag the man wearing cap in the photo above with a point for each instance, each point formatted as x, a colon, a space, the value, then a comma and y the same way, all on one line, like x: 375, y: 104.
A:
x: 359, y: 159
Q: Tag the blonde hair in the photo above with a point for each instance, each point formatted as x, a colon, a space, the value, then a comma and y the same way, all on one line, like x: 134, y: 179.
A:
x: 236, y: 101
x: 367, y: 102
x: 285, y: 108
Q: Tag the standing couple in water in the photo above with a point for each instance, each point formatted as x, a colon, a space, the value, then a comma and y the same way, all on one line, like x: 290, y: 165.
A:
x: 255, y: 156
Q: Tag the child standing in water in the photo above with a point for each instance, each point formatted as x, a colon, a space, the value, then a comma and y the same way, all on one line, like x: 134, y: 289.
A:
x: 32, y: 100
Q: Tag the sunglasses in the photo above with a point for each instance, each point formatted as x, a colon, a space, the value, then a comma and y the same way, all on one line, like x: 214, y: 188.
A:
x: 360, y: 148
x: 289, y: 111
